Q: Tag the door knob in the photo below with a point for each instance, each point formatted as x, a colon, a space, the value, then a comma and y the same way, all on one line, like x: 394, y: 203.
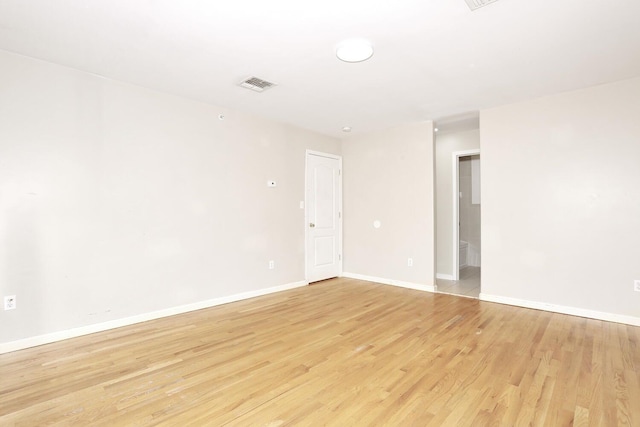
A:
x: 311, y: 225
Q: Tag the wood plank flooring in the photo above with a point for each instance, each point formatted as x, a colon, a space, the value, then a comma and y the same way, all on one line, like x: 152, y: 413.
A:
x: 342, y: 353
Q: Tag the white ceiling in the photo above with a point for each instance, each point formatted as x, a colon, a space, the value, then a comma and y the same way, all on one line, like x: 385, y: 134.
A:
x: 433, y: 58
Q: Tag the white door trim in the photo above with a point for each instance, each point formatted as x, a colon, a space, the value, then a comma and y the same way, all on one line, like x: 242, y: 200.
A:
x: 456, y: 206
x: 306, y: 212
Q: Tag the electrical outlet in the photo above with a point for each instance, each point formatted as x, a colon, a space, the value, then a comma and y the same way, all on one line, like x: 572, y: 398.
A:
x: 272, y: 265
x: 10, y: 302
x: 636, y: 285
x: 410, y: 262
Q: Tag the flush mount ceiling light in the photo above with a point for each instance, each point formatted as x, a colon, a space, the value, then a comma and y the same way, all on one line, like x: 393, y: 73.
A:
x: 346, y: 129
x: 354, y: 50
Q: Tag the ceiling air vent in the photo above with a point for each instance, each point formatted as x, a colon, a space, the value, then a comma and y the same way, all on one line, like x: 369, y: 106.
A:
x: 256, y: 84
x: 477, y: 4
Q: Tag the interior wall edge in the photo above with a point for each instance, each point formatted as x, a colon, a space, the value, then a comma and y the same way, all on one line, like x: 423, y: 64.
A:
x: 561, y: 309
x: 38, y: 340
x: 392, y: 282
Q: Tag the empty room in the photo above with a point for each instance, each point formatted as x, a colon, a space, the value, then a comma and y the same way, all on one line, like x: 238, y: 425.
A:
x: 347, y: 213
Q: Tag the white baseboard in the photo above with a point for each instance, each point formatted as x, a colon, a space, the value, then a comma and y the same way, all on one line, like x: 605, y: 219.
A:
x: 444, y: 276
x: 112, y: 324
x: 410, y: 285
x: 574, y: 311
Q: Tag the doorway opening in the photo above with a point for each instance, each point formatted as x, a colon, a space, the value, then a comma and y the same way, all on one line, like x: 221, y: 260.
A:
x: 466, y: 242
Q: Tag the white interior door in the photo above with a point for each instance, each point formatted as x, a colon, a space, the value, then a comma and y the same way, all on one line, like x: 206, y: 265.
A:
x: 323, y: 216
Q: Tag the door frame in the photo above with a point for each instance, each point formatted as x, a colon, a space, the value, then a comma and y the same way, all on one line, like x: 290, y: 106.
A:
x: 306, y: 212
x: 456, y: 207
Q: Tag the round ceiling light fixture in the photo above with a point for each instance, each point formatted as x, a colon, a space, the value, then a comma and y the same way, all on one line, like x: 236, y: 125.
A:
x: 346, y: 129
x: 354, y: 50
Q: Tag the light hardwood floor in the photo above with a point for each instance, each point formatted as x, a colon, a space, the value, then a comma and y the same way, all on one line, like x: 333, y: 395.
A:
x: 342, y: 353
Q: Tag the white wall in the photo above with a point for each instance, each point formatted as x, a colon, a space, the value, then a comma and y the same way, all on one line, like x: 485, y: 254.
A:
x: 388, y: 176
x: 446, y: 145
x: 561, y: 199
x: 117, y: 200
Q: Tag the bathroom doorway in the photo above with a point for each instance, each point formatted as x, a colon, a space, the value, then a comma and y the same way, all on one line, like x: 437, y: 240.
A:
x: 466, y: 226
